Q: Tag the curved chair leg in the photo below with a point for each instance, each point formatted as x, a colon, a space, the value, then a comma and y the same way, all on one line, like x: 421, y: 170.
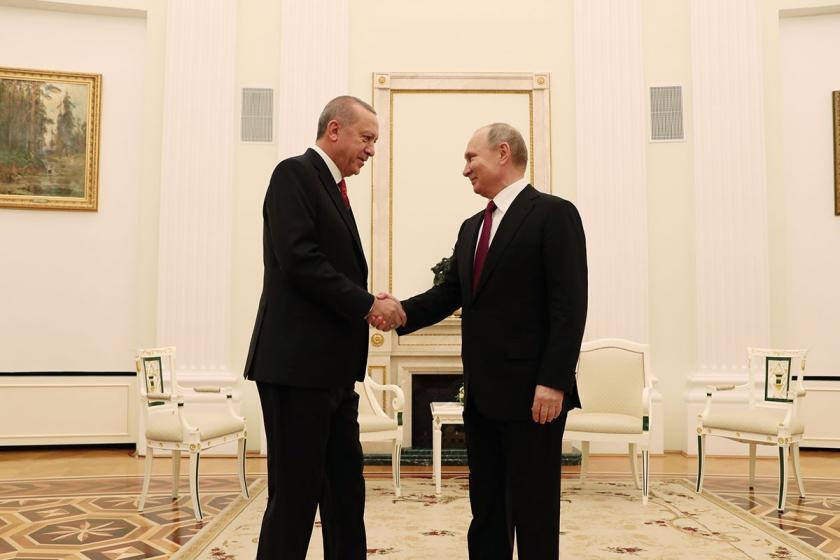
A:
x: 783, y: 459
x: 634, y: 467
x: 701, y: 458
x: 240, y: 458
x: 584, y: 460
x: 796, y: 470
x: 396, y: 455
x: 752, y: 465
x: 176, y: 473
x: 645, y: 474
x: 147, y: 476
x: 194, y: 459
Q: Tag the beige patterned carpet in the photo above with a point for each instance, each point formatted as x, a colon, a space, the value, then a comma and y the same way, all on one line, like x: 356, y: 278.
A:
x: 601, y: 519
x: 95, y: 518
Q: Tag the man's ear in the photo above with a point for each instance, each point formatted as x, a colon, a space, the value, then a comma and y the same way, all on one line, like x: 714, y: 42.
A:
x: 332, y: 129
x: 504, y: 153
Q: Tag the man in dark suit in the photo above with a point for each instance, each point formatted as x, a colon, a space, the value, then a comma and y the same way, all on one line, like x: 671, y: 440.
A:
x: 310, y: 343
x: 519, y: 274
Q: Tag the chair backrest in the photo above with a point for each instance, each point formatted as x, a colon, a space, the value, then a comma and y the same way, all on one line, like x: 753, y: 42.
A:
x: 776, y: 374
x: 367, y: 399
x: 156, y: 372
x: 612, y: 374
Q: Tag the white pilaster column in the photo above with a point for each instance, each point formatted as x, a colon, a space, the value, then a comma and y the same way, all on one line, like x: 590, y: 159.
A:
x: 730, y: 194
x: 314, y: 62
x: 730, y: 188
x: 194, y: 274
x: 610, y: 159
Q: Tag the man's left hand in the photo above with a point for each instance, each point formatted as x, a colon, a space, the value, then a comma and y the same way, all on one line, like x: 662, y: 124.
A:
x: 548, y: 403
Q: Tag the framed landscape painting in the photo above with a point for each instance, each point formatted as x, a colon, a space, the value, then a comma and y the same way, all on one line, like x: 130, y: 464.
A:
x: 49, y: 139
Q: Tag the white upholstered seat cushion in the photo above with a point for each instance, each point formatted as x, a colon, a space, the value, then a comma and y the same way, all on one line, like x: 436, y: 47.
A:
x: 603, y: 422
x: 757, y: 420
x: 375, y: 423
x: 165, y: 426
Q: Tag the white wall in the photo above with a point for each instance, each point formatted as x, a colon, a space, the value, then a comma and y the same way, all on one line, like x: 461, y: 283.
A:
x: 70, y: 282
x: 78, y: 291
x: 810, y: 230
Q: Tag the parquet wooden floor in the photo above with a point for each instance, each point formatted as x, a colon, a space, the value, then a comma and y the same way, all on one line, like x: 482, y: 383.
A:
x: 81, y: 503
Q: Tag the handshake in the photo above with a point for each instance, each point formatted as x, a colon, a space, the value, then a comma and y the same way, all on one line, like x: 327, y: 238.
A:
x: 387, y: 313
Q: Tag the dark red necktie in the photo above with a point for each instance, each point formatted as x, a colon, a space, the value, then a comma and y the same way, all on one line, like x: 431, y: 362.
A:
x: 483, y: 244
x: 342, y: 186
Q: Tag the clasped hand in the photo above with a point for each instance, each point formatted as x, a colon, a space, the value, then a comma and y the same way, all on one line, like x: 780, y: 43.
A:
x: 387, y: 313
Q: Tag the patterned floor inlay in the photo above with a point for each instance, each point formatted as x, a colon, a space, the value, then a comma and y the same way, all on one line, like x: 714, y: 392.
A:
x: 814, y: 519
x: 96, y: 518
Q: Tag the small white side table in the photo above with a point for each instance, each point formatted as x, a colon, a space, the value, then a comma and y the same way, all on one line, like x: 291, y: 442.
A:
x: 442, y: 413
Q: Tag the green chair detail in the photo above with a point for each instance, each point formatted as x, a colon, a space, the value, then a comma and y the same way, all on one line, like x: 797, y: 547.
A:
x: 170, y: 426
x: 771, y: 416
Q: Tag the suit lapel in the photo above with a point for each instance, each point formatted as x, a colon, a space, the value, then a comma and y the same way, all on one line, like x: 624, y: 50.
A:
x: 511, y: 222
x: 335, y: 195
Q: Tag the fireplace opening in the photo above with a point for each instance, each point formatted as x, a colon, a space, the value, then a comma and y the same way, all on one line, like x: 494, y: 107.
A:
x: 426, y: 389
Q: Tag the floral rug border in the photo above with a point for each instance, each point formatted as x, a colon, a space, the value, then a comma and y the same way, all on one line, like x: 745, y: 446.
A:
x: 200, y: 541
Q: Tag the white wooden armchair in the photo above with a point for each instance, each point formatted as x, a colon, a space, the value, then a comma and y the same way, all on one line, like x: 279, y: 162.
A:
x: 376, y: 425
x: 168, y: 426
x: 770, y: 417
x: 615, y: 385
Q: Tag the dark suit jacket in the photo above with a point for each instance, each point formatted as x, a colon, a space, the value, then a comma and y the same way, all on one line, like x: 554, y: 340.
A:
x: 310, y: 329
x: 524, y: 325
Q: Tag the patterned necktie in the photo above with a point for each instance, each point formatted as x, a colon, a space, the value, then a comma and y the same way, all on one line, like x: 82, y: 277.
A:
x: 483, y: 244
x: 342, y: 186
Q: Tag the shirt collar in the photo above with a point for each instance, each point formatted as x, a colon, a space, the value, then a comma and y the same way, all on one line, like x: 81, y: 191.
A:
x: 507, y: 195
x: 336, y: 174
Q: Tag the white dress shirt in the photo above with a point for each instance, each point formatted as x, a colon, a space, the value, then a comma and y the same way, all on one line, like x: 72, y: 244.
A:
x: 330, y: 164
x: 503, y: 201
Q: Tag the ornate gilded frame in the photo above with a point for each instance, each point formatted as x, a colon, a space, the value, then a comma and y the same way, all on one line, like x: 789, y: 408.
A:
x: 836, y: 99
x: 55, y: 166
x: 387, y: 85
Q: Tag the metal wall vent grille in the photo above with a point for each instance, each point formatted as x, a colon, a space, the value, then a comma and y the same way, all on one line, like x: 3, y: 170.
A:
x: 666, y: 113
x: 257, y: 114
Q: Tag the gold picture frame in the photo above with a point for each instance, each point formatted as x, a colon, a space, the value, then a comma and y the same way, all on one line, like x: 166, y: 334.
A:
x: 836, y: 102
x: 49, y: 139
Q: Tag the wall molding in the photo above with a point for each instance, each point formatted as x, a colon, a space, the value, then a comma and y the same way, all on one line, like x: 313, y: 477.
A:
x: 60, y: 410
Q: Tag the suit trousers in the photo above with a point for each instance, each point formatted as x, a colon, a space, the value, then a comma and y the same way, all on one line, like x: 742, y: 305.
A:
x: 514, y: 486
x: 314, y: 461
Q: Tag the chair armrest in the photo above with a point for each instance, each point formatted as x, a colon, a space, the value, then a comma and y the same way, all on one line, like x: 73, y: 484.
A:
x: 177, y: 399
x: 710, y: 390
x: 715, y: 388
x: 399, y: 396
x: 227, y: 391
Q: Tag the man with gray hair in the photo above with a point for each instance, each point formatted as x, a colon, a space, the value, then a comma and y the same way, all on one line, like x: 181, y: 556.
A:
x: 518, y: 272
x: 310, y: 340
